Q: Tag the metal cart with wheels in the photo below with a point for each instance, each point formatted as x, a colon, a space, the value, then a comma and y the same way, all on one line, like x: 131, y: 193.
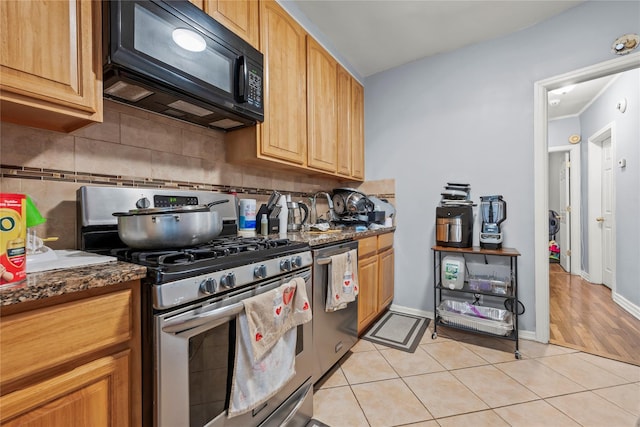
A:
x: 475, y: 317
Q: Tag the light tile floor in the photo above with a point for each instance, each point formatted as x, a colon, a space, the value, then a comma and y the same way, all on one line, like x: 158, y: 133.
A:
x: 463, y: 379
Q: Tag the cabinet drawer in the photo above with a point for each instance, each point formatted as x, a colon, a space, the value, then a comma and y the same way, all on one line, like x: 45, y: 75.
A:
x: 385, y: 241
x: 37, y: 340
x: 367, y: 246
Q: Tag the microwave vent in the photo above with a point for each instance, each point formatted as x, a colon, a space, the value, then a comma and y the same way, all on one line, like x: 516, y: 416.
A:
x: 225, y: 124
x: 174, y: 113
x: 127, y: 91
x: 190, y: 108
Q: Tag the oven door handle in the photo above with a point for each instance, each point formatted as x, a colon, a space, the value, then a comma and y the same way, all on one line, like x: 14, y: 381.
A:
x: 212, y: 319
x: 327, y: 260
x: 299, y: 403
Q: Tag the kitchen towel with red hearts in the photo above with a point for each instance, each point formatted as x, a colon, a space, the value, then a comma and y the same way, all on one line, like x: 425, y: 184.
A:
x: 343, y: 283
x: 266, y: 343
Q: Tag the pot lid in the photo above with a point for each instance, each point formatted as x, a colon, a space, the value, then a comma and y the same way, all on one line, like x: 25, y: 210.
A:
x: 171, y: 209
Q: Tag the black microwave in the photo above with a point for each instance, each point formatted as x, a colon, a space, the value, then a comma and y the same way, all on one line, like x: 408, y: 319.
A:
x: 171, y: 58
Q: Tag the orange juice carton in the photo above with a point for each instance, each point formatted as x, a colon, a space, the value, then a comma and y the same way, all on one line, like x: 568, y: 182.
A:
x: 13, y: 238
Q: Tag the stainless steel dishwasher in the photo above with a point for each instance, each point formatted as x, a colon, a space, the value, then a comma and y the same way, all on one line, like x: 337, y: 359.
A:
x: 334, y: 333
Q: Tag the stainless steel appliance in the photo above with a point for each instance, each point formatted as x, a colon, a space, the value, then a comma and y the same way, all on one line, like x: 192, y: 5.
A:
x: 172, y: 58
x: 334, y: 333
x: 454, y: 217
x: 298, y: 213
x: 190, y: 299
x: 494, y: 212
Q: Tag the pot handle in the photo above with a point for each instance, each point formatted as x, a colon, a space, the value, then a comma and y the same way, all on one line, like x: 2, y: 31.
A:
x: 217, y: 202
x: 155, y: 219
x: 306, y: 211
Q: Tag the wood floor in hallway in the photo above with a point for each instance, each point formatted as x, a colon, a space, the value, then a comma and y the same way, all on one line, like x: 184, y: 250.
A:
x: 584, y: 317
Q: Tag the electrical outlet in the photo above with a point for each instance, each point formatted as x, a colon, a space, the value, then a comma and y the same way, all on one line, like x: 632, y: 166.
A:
x: 477, y: 298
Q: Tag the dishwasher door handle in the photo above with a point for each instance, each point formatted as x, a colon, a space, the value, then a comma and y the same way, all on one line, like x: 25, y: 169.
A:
x: 327, y: 260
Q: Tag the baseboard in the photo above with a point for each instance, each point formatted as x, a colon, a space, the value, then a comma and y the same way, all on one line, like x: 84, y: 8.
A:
x: 585, y: 276
x: 525, y: 335
x: 627, y: 305
x: 413, y: 311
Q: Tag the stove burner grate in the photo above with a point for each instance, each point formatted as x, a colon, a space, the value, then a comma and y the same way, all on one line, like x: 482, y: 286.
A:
x: 228, y: 252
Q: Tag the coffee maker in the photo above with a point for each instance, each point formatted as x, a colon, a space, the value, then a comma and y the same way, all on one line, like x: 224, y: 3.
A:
x: 494, y: 212
x: 454, y: 217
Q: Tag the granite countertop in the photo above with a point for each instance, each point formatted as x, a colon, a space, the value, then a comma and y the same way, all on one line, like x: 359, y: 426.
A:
x: 65, y: 281
x: 332, y: 236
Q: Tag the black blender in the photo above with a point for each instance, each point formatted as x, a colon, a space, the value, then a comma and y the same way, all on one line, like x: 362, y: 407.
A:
x: 494, y: 212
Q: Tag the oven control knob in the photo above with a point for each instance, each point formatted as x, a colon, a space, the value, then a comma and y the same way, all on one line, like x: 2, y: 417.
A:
x: 143, y: 203
x: 208, y: 286
x: 296, y: 261
x: 228, y: 280
x: 285, y: 265
x: 260, y: 272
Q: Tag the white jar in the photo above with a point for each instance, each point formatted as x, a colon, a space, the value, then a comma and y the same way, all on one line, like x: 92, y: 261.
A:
x: 247, y: 214
x: 452, y: 272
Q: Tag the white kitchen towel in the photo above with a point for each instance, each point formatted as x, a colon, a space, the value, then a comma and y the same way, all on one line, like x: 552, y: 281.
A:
x: 343, y: 281
x: 266, y: 344
x: 273, y: 313
x: 256, y: 382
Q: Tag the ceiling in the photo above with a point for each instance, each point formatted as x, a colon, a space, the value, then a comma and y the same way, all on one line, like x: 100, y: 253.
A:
x: 376, y: 35
x: 578, y: 99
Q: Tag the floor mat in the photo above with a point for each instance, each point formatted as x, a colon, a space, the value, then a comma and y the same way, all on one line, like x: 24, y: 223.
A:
x: 398, y: 330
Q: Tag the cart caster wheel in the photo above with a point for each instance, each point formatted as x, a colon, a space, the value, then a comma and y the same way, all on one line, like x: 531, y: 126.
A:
x: 434, y: 336
x: 518, y: 355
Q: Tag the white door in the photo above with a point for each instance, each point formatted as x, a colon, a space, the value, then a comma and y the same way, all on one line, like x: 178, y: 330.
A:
x: 565, y: 213
x: 608, y: 215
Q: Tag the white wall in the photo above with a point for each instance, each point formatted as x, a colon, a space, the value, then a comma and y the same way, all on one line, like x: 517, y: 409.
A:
x: 560, y: 130
x: 467, y: 116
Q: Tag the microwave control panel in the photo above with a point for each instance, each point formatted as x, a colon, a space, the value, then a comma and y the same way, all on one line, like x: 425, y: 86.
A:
x: 255, y: 89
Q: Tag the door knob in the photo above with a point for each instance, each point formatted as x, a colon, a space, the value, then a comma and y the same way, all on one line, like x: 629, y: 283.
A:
x: 600, y: 219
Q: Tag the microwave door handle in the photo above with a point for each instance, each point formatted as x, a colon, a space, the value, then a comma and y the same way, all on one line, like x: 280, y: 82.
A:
x: 212, y: 318
x: 241, y: 79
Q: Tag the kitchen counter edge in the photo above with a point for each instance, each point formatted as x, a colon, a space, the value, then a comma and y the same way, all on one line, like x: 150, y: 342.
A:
x: 46, y: 284
x: 345, y: 235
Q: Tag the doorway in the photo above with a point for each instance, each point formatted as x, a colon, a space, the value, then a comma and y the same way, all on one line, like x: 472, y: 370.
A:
x: 541, y: 181
x: 568, y: 204
x: 601, y: 207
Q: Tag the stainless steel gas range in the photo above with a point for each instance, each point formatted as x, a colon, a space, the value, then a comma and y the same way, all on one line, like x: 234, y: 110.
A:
x: 191, y: 298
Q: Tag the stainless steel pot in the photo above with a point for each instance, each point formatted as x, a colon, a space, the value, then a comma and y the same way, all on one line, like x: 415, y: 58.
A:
x: 175, y: 227
x: 347, y: 201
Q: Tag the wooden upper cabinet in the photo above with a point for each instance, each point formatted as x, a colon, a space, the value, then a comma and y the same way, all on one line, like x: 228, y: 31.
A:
x: 284, y: 130
x: 350, y: 97
x: 321, y: 107
x: 343, y: 99
x: 357, y: 130
x: 240, y: 16
x: 50, y: 63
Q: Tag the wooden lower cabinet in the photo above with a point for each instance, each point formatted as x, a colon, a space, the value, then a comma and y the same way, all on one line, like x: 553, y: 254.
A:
x: 95, y: 394
x: 376, y: 278
x: 385, y: 265
x: 74, y: 363
x: 368, y: 296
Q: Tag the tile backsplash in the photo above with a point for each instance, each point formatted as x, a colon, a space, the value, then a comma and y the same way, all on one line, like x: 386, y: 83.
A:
x: 132, y: 148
